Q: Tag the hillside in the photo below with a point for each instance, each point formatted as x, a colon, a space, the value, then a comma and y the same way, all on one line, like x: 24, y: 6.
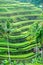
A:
x: 15, y: 21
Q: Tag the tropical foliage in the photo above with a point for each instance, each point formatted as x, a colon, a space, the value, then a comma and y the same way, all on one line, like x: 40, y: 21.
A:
x: 21, y: 33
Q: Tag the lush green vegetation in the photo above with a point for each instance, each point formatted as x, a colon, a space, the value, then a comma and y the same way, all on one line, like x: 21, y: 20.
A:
x: 20, y: 28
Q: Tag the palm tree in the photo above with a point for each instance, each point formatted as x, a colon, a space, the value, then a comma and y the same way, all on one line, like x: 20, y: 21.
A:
x: 37, y: 32
x: 41, y: 39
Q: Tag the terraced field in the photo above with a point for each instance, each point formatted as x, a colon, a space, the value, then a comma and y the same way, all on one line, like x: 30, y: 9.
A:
x: 16, y: 19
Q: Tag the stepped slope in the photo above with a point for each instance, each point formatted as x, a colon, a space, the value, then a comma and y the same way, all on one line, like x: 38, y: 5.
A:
x: 15, y: 21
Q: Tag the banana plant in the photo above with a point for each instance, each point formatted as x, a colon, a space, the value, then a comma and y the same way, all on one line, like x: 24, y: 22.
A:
x: 5, y: 62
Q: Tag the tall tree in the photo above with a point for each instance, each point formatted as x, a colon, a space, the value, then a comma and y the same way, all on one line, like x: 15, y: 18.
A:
x: 37, y: 32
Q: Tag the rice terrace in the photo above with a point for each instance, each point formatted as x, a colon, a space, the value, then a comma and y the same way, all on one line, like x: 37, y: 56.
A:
x: 21, y: 32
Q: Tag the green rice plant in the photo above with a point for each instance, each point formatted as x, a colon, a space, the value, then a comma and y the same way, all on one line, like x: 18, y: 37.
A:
x: 18, y: 18
x: 18, y: 56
